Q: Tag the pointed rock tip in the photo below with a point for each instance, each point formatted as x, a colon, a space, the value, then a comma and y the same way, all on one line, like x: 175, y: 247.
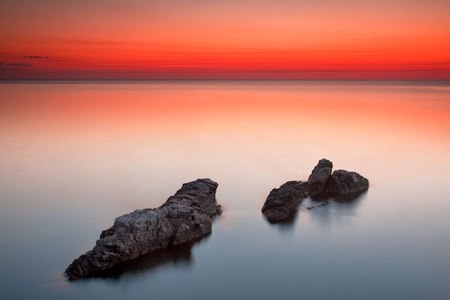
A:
x: 325, y: 163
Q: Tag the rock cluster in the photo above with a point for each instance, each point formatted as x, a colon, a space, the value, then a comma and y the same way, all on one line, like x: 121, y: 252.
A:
x: 187, y: 216
x: 184, y: 218
x: 282, y: 203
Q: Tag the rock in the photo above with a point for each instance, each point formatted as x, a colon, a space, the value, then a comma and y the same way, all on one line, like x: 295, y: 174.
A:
x: 318, y: 180
x: 321, y: 182
x: 345, y: 182
x: 282, y: 203
x: 184, y: 218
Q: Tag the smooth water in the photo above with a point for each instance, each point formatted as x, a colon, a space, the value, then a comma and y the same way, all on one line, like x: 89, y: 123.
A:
x: 73, y: 156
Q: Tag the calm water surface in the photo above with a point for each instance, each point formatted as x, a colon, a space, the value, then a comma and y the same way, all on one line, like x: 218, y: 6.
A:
x: 73, y: 156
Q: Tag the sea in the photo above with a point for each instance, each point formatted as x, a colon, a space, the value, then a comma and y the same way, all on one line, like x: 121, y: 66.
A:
x: 75, y: 155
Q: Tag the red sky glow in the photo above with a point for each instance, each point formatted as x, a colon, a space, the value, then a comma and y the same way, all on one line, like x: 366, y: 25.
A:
x: 246, y: 39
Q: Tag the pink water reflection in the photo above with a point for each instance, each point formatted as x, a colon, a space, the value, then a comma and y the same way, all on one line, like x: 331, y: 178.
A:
x: 258, y: 132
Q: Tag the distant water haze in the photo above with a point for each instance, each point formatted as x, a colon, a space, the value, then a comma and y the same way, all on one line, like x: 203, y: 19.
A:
x: 75, y: 155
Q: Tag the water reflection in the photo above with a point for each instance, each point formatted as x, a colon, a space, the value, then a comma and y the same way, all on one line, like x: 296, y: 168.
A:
x: 351, y: 197
x: 341, y: 209
x: 75, y: 156
x: 178, y: 257
x: 285, y: 226
x: 324, y: 210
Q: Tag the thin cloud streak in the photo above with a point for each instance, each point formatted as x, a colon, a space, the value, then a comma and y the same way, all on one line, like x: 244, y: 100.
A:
x: 36, y: 57
x: 14, y: 64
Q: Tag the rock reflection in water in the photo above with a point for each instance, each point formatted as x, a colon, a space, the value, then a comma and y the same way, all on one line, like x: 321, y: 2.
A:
x: 340, y: 209
x: 179, y: 257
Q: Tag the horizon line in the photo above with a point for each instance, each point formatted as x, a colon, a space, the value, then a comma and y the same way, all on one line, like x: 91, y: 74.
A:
x: 217, y: 80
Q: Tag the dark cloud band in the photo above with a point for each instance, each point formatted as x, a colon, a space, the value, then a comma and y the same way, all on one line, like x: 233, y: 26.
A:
x: 14, y: 64
x: 36, y: 57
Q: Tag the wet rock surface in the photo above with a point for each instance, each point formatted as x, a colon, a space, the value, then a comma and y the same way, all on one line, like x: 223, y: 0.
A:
x: 282, y: 202
x: 184, y: 218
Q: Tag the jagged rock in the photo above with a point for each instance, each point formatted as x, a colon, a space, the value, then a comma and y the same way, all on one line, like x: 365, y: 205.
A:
x: 318, y: 180
x: 345, y: 182
x: 282, y: 203
x: 185, y: 217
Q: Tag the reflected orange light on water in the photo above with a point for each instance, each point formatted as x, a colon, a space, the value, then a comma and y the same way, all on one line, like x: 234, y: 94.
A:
x: 221, y: 107
x: 74, y: 156
x: 155, y: 134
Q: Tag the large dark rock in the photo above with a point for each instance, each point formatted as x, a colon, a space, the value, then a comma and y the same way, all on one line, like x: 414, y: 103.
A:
x: 183, y: 218
x: 318, y: 180
x: 281, y: 204
x: 345, y: 182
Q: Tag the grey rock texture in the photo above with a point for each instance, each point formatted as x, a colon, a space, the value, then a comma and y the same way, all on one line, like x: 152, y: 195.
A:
x: 344, y: 182
x: 185, y: 217
x: 282, y: 203
x: 318, y: 180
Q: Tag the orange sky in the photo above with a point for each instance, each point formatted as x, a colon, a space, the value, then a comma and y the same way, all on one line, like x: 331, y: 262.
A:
x: 199, y: 39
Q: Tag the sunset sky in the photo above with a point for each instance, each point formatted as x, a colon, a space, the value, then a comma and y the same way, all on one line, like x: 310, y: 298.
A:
x: 233, y: 39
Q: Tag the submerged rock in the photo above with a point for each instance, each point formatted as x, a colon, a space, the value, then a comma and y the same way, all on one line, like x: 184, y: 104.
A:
x: 282, y: 202
x: 319, y: 205
x: 318, y: 180
x: 345, y: 182
x: 185, y: 217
